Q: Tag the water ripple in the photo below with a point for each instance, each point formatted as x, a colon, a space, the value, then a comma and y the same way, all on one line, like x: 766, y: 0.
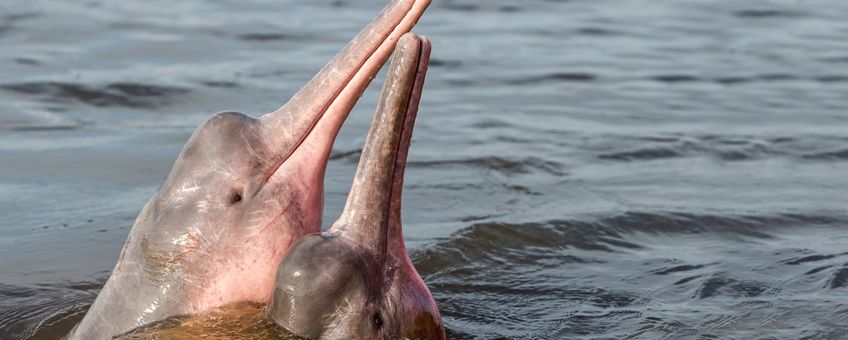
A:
x: 605, y: 278
x: 131, y: 95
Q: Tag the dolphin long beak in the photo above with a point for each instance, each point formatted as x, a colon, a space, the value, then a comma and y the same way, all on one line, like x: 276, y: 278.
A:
x: 321, y: 273
x: 321, y: 106
x: 372, y: 211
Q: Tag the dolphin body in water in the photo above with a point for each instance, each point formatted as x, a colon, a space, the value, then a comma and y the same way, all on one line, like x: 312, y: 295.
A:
x: 355, y: 280
x: 240, y: 193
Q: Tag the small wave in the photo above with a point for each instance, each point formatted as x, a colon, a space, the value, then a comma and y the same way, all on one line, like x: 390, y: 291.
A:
x: 670, y: 79
x: 8, y: 21
x: 839, y: 278
x: 36, y: 128
x: 678, y: 269
x: 131, y: 95
x: 735, y: 80
x: 498, y: 164
x: 481, y: 7
x: 766, y: 13
x: 554, y: 77
x: 643, y: 154
x: 618, y: 276
x: 511, y: 244
x: 675, y: 78
x: 724, y: 147
x: 506, y: 166
x: 596, y: 31
x: 263, y: 37
x: 45, y: 312
x: 720, y: 284
x: 450, y: 64
x: 810, y: 258
x: 453, y: 6
x: 829, y: 155
x: 494, y: 241
x: 220, y: 84
x: 27, y: 61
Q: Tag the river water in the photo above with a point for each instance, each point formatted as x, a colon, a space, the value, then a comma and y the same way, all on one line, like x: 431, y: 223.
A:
x: 584, y: 169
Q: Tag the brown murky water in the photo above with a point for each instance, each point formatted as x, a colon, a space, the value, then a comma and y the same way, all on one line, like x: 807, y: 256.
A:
x: 580, y: 170
x: 237, y: 321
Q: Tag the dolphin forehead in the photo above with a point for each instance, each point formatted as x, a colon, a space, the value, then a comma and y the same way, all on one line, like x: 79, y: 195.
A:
x: 227, y: 147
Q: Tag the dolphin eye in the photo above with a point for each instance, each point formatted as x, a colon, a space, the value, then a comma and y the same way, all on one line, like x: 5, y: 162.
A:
x: 235, y: 198
x: 377, y: 319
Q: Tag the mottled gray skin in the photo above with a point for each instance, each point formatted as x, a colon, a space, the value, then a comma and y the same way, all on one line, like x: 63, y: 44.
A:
x: 356, y: 281
x: 240, y: 193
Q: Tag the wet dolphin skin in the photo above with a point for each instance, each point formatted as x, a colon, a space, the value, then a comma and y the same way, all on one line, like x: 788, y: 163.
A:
x: 240, y: 193
x: 355, y: 280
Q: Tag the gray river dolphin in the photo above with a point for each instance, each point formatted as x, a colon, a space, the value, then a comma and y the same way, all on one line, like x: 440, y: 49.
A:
x: 355, y: 280
x: 241, y: 192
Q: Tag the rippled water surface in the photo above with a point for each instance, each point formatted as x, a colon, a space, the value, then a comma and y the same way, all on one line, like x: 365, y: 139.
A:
x: 581, y: 169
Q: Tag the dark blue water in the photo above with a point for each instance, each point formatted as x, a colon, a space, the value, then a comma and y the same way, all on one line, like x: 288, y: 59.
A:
x: 580, y: 169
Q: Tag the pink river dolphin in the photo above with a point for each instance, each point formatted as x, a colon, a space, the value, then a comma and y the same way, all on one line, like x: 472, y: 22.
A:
x: 241, y: 192
x: 355, y: 280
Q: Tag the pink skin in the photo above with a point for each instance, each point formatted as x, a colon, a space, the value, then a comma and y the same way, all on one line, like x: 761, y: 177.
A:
x: 240, y: 193
x: 356, y: 281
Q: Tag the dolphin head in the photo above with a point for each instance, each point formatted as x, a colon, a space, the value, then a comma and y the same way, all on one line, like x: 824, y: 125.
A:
x: 240, y: 193
x: 356, y: 280
x: 244, y: 189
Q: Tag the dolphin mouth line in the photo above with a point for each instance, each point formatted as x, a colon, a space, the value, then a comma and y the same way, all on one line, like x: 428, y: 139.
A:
x: 409, y: 13
x: 371, y: 215
x: 276, y: 219
x: 422, y: 62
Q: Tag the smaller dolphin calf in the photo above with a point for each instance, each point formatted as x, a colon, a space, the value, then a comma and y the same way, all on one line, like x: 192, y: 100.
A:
x: 356, y: 281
